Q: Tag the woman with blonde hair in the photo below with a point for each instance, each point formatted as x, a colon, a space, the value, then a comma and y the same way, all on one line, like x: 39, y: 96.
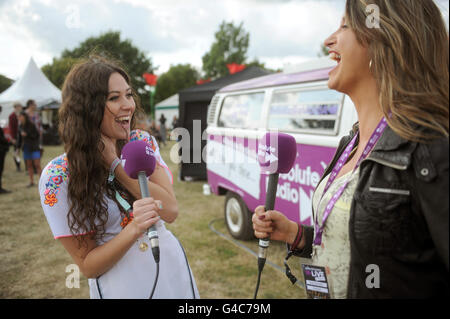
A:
x: 381, y: 211
x: 94, y: 209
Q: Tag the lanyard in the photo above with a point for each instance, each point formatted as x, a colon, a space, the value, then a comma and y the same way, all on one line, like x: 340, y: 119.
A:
x: 125, y: 205
x: 336, y: 169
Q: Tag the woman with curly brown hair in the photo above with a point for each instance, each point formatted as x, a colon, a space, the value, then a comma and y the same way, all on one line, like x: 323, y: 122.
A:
x: 381, y: 209
x: 94, y: 209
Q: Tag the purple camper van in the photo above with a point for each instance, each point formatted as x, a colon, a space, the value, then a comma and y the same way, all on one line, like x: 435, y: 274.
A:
x: 298, y: 103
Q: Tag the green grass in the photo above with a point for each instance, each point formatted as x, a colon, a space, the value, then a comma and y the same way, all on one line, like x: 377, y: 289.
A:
x: 33, y: 264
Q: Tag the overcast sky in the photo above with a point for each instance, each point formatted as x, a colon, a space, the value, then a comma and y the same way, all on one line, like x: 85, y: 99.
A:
x: 168, y: 31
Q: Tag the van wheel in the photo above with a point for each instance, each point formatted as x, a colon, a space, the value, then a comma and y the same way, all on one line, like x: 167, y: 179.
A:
x: 238, y: 218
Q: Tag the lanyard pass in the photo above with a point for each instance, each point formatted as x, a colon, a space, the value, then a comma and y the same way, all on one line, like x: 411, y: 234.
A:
x: 337, y: 168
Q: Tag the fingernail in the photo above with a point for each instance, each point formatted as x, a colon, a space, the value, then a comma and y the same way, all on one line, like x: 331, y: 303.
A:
x: 262, y: 217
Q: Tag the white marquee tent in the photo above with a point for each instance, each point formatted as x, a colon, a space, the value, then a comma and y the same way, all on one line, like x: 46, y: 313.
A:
x: 32, y: 85
x: 168, y: 107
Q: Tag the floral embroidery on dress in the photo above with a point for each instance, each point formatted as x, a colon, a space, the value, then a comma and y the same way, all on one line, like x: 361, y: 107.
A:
x: 58, y: 173
x: 140, y: 135
x: 126, y: 220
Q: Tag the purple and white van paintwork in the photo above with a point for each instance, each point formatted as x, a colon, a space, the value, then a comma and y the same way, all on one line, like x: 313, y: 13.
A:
x: 294, y: 189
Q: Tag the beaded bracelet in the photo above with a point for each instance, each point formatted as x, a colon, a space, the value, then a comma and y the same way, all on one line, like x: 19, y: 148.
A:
x: 298, y: 238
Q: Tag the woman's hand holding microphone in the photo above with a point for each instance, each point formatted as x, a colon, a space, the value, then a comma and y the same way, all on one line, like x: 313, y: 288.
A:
x: 145, y: 214
x: 274, y: 225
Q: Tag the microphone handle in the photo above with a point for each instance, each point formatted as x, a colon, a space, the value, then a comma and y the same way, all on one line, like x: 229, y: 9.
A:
x: 271, y: 191
x: 269, y: 205
x: 151, y: 232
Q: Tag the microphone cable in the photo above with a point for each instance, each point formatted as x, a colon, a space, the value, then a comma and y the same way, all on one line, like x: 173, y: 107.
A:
x: 155, y: 251
x: 156, y: 281
x: 261, y: 263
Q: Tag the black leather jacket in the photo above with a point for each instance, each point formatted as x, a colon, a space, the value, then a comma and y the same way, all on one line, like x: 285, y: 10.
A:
x: 398, y: 220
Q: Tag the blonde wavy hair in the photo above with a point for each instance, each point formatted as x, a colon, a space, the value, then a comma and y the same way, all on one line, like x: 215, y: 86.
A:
x: 410, y: 62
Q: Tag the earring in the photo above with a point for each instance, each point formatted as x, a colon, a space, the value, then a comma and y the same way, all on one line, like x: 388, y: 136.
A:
x: 370, y: 64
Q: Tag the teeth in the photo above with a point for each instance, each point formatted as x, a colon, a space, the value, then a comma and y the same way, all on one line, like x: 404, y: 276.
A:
x: 334, y: 56
x: 123, y: 118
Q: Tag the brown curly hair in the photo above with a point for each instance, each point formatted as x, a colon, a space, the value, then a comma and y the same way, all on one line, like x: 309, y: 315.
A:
x: 84, y: 96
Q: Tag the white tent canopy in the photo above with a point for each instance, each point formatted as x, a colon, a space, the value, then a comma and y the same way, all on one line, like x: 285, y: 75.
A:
x: 168, y: 107
x: 32, y: 85
x: 170, y: 101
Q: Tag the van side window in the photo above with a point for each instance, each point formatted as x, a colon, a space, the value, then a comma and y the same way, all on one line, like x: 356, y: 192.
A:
x: 241, y: 111
x: 314, y: 111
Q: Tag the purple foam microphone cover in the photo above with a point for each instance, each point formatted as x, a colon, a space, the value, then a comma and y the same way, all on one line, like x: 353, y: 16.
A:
x: 138, y: 156
x: 277, y: 153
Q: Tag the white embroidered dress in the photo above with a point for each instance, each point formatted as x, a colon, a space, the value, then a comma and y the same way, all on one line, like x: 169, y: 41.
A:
x: 134, y: 274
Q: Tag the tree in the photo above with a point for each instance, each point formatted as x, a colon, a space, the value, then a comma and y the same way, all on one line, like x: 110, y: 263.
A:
x: 5, y: 83
x: 178, y: 77
x: 230, y: 46
x: 57, y: 71
x: 110, y: 45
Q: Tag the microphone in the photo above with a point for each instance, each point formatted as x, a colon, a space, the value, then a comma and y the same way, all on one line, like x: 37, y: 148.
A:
x: 276, y: 155
x: 139, y: 162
